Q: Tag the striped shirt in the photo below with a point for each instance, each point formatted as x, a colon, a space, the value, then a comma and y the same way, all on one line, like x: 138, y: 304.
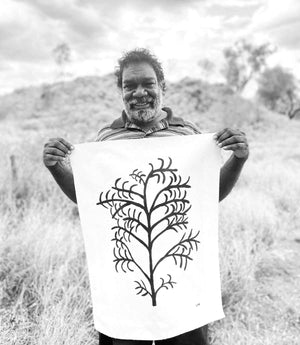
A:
x: 122, y: 128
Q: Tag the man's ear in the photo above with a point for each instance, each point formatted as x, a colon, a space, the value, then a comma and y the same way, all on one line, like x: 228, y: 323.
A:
x: 162, y: 86
x: 119, y: 90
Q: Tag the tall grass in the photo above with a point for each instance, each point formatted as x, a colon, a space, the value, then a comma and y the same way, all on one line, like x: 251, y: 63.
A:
x: 43, y: 277
x: 259, y: 258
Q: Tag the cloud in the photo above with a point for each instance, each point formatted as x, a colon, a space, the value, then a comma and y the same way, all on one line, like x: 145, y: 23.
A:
x: 92, y: 27
x: 235, y: 3
x: 83, y: 20
x: 237, y: 21
x: 114, y: 5
x: 22, y: 35
x: 29, y: 30
x: 280, y: 21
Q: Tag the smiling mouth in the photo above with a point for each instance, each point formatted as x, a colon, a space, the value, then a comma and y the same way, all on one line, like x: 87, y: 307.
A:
x: 140, y: 105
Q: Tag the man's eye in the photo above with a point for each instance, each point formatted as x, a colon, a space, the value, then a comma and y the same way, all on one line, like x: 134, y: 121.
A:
x: 129, y: 87
x: 150, y: 84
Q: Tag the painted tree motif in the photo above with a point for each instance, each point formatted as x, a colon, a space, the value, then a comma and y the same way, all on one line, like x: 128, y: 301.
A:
x: 146, y: 209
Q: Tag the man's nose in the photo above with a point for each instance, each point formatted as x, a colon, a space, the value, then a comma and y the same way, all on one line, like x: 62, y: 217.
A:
x: 139, y: 91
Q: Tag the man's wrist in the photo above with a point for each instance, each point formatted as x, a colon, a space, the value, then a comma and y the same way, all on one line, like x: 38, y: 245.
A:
x: 58, y: 169
x: 54, y: 168
x: 241, y: 159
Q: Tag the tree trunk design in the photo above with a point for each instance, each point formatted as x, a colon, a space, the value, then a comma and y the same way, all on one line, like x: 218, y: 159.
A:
x: 146, y: 208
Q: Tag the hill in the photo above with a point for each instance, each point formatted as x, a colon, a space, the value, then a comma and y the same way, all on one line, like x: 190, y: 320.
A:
x: 88, y: 102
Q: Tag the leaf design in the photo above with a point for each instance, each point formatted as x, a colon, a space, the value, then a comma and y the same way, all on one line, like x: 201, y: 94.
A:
x: 129, y: 205
x: 141, y: 288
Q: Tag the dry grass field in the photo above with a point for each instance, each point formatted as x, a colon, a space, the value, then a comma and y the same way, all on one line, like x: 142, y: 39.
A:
x: 44, y: 288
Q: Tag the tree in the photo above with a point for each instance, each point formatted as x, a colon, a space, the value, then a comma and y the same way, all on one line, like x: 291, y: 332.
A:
x: 207, y: 67
x: 278, y: 91
x: 62, y: 57
x: 146, y: 210
x: 243, y: 61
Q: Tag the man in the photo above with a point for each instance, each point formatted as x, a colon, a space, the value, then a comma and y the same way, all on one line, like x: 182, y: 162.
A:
x: 141, y: 81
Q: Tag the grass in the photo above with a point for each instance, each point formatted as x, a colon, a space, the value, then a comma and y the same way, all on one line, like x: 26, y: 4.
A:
x: 44, y: 287
x: 259, y: 256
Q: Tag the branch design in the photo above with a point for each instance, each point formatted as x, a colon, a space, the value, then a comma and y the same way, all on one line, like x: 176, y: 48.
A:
x: 181, y: 252
x: 166, y: 284
x: 142, y: 289
x: 138, y: 176
x: 129, y: 205
x: 123, y: 258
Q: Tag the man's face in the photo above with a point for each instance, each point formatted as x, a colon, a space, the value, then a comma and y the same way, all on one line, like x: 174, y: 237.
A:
x: 141, y: 92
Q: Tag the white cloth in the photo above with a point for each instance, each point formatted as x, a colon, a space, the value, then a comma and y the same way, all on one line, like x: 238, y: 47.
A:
x: 149, y: 215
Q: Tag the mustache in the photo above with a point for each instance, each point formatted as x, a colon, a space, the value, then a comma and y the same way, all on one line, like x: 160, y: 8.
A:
x: 146, y: 99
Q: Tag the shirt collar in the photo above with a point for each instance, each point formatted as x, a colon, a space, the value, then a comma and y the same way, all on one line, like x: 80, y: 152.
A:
x: 171, y: 120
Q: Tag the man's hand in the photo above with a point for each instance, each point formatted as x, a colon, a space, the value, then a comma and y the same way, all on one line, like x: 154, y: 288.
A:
x: 56, y: 150
x: 234, y: 140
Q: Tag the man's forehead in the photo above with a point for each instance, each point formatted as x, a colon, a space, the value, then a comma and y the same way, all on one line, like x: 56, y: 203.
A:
x: 138, y: 70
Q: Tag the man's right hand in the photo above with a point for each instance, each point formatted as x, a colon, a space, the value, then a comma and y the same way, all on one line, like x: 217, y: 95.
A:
x: 56, y: 150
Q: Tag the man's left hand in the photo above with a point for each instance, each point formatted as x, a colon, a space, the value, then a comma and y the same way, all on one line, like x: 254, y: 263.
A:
x: 234, y: 140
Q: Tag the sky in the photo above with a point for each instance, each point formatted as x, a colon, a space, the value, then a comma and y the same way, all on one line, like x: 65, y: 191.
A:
x: 179, y: 32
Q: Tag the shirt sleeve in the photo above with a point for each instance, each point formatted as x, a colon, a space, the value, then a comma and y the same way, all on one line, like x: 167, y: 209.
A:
x: 102, y: 133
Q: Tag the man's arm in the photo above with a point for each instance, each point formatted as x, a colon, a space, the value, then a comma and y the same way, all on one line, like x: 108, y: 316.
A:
x: 54, y: 155
x: 236, y: 141
x: 63, y: 176
x: 229, y: 175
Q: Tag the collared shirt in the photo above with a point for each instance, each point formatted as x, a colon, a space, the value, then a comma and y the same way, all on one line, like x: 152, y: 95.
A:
x: 122, y: 128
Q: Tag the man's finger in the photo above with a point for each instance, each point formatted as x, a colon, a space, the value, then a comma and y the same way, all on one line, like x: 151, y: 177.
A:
x: 232, y: 140
x: 58, y: 145
x: 223, y: 134
x: 63, y: 142
x: 55, y: 152
x: 66, y: 143
x: 218, y: 134
x: 227, y: 134
x: 50, y: 160
x: 51, y: 157
x: 234, y: 147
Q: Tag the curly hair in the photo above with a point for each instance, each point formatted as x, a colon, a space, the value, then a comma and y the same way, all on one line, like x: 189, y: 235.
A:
x: 139, y: 55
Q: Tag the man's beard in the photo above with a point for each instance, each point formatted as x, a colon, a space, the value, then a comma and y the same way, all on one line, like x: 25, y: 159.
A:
x: 146, y: 113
